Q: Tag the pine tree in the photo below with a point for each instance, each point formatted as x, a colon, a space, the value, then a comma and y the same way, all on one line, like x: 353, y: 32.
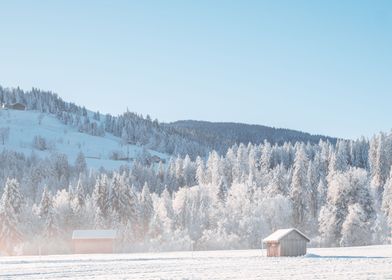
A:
x: 146, y: 209
x: 321, y: 194
x: 99, y: 219
x: 189, y: 172
x: 123, y: 201
x: 266, y: 156
x: 222, y: 191
x: 387, y: 202
x: 342, y: 156
x: 79, y: 196
x: 10, y: 210
x: 299, y: 192
x: 379, y: 166
x: 313, y: 181
x: 100, y: 197
x: 47, y: 215
x: 333, y: 213
x: 200, y: 171
x: 279, y: 182
x: 46, y: 204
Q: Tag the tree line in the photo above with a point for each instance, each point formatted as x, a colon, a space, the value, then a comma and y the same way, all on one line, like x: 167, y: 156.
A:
x: 338, y: 194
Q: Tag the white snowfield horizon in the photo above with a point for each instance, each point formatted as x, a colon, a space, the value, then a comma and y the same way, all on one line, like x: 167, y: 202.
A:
x: 368, y: 262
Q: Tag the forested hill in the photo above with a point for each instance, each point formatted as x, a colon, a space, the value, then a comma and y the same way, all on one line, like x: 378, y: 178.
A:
x: 180, y: 138
x: 339, y: 194
x: 222, y: 135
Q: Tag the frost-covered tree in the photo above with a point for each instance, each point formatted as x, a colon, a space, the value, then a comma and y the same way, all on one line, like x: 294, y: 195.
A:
x: 342, y: 156
x: 333, y: 213
x: 313, y: 182
x: 100, y: 198
x: 387, y: 202
x: 279, y: 182
x: 10, y: 210
x: 146, y: 209
x: 266, y: 156
x: 299, y: 192
x: 123, y: 201
x: 99, y: 219
x: 46, y: 213
x: 378, y: 164
x: 78, y: 203
x: 200, y: 171
x: 345, y: 189
x: 356, y: 229
x: 79, y: 196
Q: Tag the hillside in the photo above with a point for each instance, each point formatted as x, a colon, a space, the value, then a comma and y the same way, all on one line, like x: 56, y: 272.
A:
x: 191, y: 138
x: 221, y: 136
x: 43, y: 134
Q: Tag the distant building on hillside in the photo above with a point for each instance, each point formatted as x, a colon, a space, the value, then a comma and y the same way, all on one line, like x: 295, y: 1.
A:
x: 14, y: 106
x: 286, y: 243
x: 93, y: 241
x: 155, y: 159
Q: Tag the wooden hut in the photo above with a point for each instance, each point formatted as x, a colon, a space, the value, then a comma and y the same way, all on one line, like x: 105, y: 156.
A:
x: 15, y: 106
x: 286, y: 243
x: 93, y: 241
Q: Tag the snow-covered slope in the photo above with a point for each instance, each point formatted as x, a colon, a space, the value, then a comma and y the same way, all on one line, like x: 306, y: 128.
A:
x: 25, y: 126
x: 373, y: 262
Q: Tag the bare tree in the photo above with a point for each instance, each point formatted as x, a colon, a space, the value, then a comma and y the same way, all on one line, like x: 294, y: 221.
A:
x: 4, y: 134
x: 40, y: 118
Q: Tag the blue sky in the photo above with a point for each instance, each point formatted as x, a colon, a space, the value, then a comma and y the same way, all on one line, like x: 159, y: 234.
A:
x: 318, y: 66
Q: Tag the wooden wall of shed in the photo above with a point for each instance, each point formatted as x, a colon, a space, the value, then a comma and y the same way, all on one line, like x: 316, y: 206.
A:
x: 273, y: 249
x: 292, y: 245
x: 93, y: 246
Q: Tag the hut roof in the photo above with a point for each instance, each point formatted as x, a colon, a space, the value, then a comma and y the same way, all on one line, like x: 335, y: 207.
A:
x: 281, y: 233
x: 94, y: 234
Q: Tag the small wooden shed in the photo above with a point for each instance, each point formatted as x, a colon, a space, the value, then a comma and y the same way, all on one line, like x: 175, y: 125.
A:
x: 93, y: 241
x: 286, y: 243
x: 16, y: 106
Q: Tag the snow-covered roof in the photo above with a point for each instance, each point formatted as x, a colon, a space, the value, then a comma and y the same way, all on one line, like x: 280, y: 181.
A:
x: 280, y: 233
x: 94, y: 234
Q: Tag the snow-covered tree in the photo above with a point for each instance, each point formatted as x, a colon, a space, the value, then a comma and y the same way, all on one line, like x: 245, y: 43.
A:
x: 146, y: 209
x: 299, y: 192
x: 356, y: 230
x: 123, y: 201
x: 387, y: 203
x: 10, y: 210
x: 47, y: 215
x: 100, y: 198
x: 79, y: 195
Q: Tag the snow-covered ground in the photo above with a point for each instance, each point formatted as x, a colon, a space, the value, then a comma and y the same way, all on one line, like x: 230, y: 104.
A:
x: 373, y: 262
x: 24, y: 126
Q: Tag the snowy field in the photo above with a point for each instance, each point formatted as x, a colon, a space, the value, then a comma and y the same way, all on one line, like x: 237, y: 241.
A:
x: 373, y: 262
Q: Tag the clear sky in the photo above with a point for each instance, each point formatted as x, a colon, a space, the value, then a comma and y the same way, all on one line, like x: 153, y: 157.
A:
x: 318, y: 66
